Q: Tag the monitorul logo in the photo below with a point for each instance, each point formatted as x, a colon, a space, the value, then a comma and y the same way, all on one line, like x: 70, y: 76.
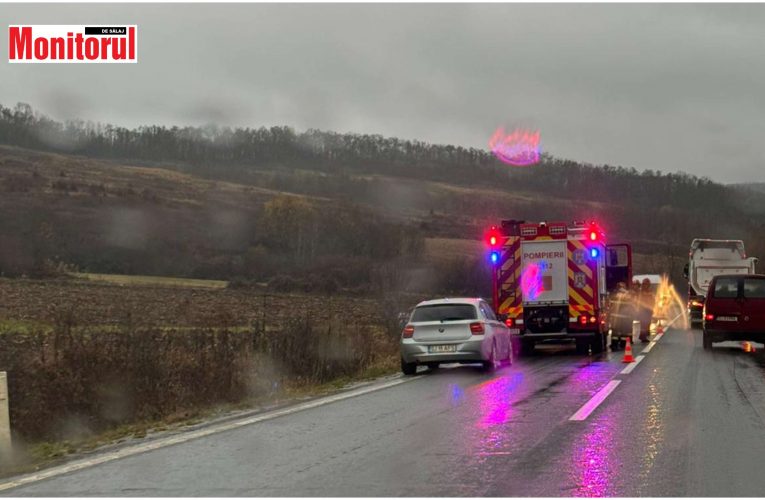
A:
x: 50, y: 43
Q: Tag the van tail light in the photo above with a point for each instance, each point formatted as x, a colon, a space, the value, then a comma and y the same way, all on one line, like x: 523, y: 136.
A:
x: 476, y: 328
x: 509, y: 321
x: 710, y: 317
x: 408, y: 331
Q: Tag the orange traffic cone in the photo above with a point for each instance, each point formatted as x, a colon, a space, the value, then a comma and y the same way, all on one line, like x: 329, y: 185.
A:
x: 628, y: 352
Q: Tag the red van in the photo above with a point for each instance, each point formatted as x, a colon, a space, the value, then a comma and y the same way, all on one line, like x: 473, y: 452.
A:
x: 735, y: 309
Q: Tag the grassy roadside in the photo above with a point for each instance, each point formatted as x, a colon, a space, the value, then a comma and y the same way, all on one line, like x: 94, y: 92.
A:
x: 46, y: 454
x: 95, y: 365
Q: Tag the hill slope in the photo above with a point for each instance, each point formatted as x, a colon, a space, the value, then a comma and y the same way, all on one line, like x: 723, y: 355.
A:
x: 260, y: 204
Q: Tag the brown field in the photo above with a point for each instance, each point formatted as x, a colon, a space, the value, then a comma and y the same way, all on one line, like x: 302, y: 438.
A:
x: 103, y: 303
x: 85, y: 357
x: 448, y: 248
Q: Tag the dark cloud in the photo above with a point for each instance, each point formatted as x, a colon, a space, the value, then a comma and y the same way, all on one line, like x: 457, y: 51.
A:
x: 667, y: 87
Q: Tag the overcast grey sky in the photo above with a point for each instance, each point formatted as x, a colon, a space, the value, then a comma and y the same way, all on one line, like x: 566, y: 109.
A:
x: 667, y: 87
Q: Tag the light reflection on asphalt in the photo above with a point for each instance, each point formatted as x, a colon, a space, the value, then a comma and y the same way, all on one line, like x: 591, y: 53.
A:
x: 495, y: 399
x: 651, y: 435
x: 595, y: 464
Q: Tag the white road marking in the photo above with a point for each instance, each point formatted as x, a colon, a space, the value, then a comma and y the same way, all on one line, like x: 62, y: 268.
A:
x: 648, y: 347
x: 632, y: 366
x: 188, y: 436
x: 658, y: 337
x: 595, y: 401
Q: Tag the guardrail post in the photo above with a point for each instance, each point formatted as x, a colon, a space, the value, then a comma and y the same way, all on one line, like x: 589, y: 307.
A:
x: 5, y: 421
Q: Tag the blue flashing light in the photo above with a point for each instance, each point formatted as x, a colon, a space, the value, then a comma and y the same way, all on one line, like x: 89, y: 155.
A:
x: 594, y: 252
x: 494, y: 256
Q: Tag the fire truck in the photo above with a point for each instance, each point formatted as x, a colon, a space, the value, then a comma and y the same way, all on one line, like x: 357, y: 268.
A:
x: 552, y: 280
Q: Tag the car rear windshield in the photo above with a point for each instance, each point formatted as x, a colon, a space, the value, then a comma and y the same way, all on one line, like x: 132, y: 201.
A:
x: 754, y: 288
x: 726, y: 288
x: 444, y: 312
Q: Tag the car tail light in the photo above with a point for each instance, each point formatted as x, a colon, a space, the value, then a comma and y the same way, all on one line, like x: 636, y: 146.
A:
x: 476, y: 328
x: 408, y: 331
x: 509, y: 322
x: 710, y: 317
x: 583, y: 320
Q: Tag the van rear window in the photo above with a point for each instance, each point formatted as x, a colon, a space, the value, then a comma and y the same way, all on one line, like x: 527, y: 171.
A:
x: 726, y: 288
x: 444, y: 312
x: 754, y: 288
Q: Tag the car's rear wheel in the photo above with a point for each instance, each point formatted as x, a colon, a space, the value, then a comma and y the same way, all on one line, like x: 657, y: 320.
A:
x: 509, y: 358
x: 408, y: 368
x: 707, y: 340
x: 492, y: 363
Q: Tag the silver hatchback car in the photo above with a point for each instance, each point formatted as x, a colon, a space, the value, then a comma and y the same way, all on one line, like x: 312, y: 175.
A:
x: 454, y: 330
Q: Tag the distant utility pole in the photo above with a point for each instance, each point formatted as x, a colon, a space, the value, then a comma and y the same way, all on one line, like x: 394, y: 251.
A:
x: 5, y: 421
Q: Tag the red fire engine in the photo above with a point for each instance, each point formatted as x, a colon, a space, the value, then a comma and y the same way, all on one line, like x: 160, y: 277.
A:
x: 552, y: 280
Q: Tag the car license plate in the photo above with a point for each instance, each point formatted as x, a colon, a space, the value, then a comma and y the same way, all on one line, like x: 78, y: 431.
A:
x: 727, y: 318
x: 515, y: 331
x: 442, y: 348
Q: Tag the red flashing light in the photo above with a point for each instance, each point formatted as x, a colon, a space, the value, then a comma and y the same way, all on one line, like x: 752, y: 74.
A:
x: 710, y: 317
x: 476, y: 328
x: 509, y: 321
x: 593, y: 235
x: 492, y: 237
x: 408, y: 331
x: 583, y: 320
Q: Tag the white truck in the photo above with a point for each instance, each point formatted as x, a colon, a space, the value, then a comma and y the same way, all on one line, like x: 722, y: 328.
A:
x: 707, y: 259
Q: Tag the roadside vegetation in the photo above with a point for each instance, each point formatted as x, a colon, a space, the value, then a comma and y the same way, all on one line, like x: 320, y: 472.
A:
x: 106, y: 361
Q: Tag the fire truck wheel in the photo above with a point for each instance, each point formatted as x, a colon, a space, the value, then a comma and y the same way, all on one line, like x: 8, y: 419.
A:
x: 582, y: 345
x: 527, y: 347
x: 597, y: 343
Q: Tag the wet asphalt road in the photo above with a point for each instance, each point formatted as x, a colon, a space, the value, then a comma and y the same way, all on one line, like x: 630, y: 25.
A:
x: 683, y: 422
